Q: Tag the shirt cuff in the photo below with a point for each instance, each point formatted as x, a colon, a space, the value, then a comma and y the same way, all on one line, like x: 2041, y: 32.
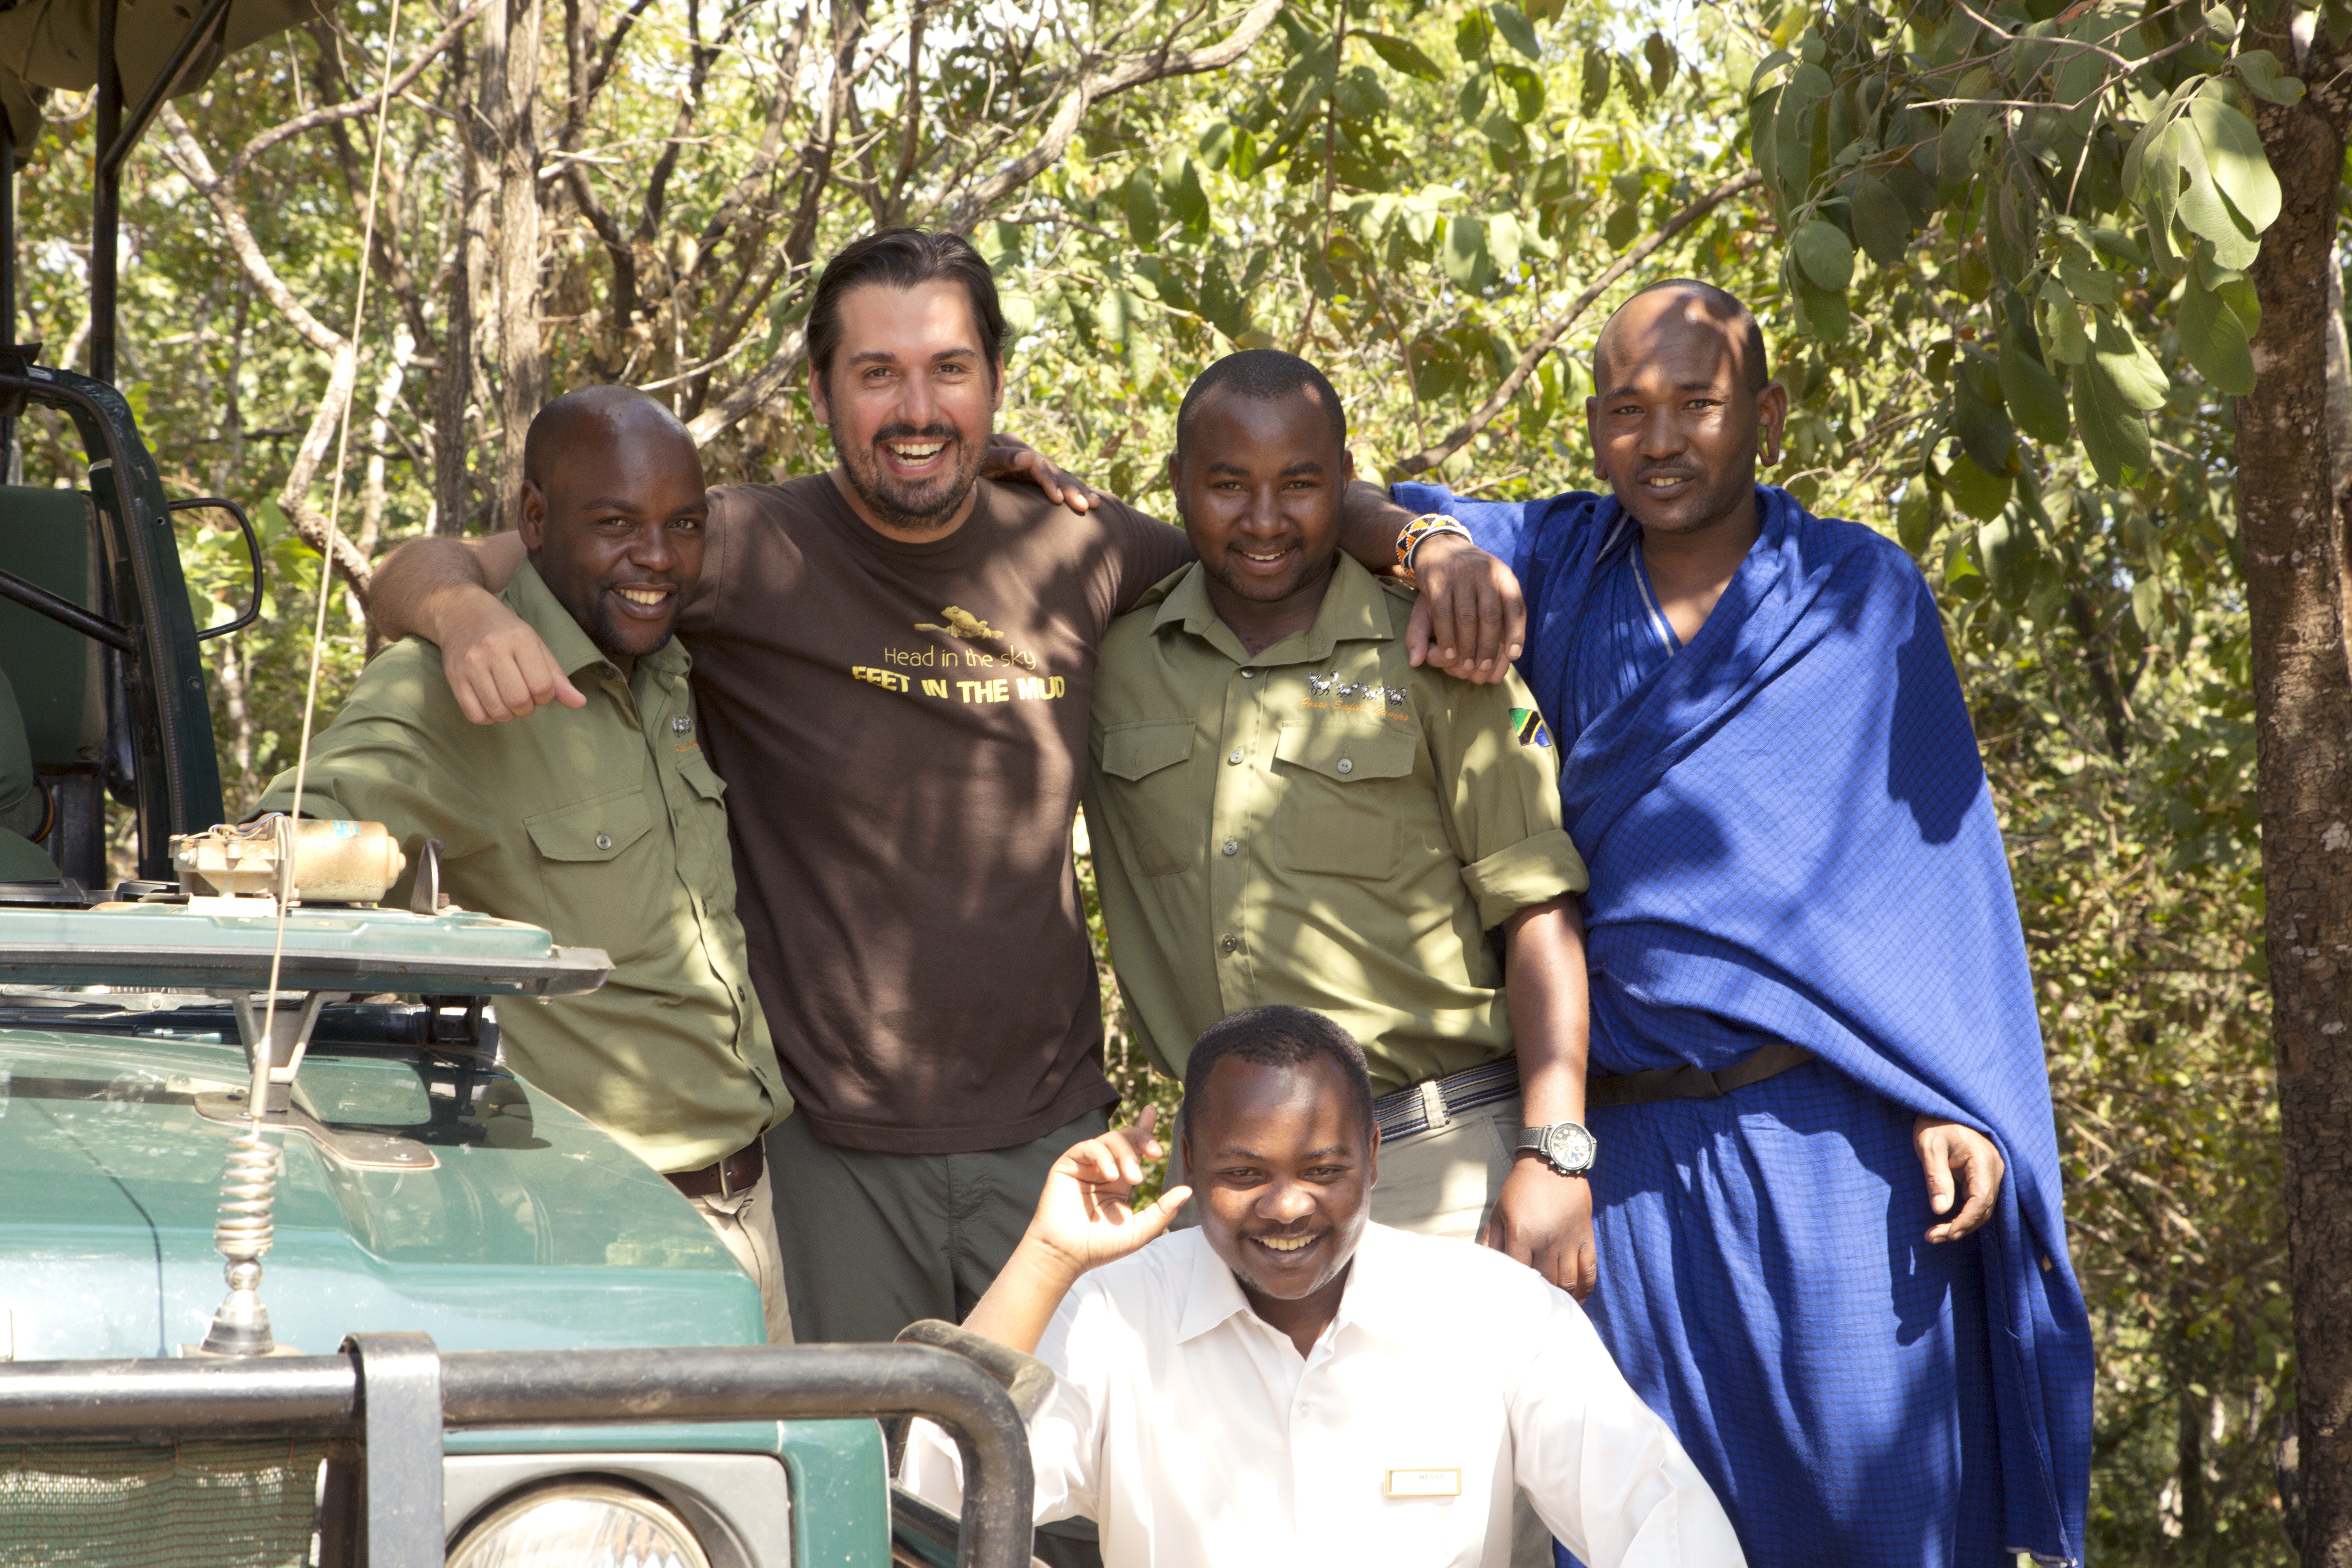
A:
x: 1532, y: 871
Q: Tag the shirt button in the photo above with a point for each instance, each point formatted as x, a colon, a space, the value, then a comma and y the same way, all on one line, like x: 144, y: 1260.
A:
x: 1347, y: 766
x: 603, y: 841
x: 1246, y: 674
x: 1231, y: 943
x: 1232, y: 847
x: 1236, y: 758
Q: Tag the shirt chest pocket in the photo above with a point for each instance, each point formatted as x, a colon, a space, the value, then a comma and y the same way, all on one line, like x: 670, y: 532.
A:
x: 1346, y: 792
x: 703, y: 853
x: 1147, y: 788
x: 597, y: 865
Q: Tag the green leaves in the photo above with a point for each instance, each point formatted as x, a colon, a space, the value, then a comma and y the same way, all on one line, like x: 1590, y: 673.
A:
x: 1400, y: 56
x: 2213, y: 337
x: 1825, y: 254
x: 2258, y: 69
x: 1882, y: 224
x: 2114, y: 435
x: 2035, y: 400
x: 1596, y: 80
x: 1463, y: 255
x: 2127, y: 364
x: 1516, y: 30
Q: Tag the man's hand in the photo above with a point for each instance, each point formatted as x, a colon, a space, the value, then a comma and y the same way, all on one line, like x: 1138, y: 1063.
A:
x: 1470, y: 621
x: 498, y: 668
x: 1010, y: 460
x: 1946, y: 1148
x: 1545, y: 1220
x: 1086, y: 1216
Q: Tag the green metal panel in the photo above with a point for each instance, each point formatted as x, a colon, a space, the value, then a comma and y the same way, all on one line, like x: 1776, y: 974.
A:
x: 49, y: 538
x: 534, y: 1229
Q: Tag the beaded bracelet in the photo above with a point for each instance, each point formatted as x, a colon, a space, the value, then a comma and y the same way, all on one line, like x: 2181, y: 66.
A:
x: 1426, y: 525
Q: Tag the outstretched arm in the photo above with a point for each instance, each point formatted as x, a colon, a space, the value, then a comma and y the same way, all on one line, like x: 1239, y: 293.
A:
x: 1471, y: 620
x: 1542, y: 1218
x: 1086, y: 1217
x: 445, y: 591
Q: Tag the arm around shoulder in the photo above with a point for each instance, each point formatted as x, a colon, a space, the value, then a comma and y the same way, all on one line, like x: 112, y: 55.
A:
x: 445, y: 591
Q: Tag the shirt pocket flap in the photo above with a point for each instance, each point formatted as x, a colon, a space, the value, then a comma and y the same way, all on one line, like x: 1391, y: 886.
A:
x: 700, y: 775
x: 594, y: 829
x: 1133, y: 750
x: 1346, y: 754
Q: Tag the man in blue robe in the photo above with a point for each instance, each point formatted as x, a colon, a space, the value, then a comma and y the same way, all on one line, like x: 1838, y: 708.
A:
x: 1809, y: 983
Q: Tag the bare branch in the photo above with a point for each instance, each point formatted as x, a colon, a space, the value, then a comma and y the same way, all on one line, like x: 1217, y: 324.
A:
x: 1556, y: 329
x: 353, y: 109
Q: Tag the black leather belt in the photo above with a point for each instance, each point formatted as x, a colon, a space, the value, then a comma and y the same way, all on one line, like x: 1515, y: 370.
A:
x: 1605, y: 1089
x: 739, y: 1172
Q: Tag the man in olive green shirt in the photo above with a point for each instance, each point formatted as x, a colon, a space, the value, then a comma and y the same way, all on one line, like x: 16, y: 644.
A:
x: 1284, y: 810
x: 601, y: 822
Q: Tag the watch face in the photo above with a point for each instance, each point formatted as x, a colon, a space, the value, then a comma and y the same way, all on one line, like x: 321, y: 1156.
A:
x: 1570, y: 1146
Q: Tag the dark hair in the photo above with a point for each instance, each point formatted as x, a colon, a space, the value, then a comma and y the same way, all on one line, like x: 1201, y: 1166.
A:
x: 1280, y: 1037
x: 903, y: 258
x: 1263, y: 376
x: 1720, y: 303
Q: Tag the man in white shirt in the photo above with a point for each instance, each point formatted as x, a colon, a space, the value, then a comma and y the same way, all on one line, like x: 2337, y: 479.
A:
x: 1289, y: 1382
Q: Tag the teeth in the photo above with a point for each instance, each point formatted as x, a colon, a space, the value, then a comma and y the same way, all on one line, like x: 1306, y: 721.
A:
x: 1663, y: 483
x: 647, y: 596
x: 916, y: 454
x: 1291, y: 1244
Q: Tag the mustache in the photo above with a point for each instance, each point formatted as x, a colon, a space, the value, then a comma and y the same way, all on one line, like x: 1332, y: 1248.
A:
x: 902, y: 431
x: 1666, y: 471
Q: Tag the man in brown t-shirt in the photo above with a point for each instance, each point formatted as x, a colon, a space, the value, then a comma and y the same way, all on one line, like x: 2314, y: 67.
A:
x: 894, y: 662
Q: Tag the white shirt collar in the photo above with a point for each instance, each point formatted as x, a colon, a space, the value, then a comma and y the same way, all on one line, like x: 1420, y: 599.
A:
x: 1376, y: 1298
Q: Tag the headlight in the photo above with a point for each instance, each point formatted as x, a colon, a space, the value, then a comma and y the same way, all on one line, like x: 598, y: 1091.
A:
x: 580, y: 1524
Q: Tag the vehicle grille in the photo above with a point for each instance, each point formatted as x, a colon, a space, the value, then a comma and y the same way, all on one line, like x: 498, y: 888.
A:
x: 177, y: 1505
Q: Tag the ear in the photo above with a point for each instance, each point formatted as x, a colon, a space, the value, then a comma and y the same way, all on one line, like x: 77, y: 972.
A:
x: 1771, y: 417
x: 1176, y: 480
x: 530, y: 516
x: 1372, y: 1158
x: 819, y: 404
x: 1346, y: 468
x: 996, y: 384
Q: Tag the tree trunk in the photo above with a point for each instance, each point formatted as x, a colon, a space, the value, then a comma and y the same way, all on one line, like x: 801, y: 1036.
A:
x: 452, y: 500
x: 522, y: 370
x: 2291, y: 531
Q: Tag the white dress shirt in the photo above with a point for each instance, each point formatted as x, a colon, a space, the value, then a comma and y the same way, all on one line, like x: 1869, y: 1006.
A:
x: 1196, y: 1436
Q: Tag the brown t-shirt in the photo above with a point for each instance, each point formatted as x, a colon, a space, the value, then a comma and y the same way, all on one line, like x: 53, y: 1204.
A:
x: 902, y: 729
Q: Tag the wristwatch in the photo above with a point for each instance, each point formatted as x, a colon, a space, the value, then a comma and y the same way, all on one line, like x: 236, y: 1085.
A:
x: 1565, y: 1146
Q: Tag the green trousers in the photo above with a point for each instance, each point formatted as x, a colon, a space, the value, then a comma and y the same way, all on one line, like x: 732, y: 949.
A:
x: 872, y: 1242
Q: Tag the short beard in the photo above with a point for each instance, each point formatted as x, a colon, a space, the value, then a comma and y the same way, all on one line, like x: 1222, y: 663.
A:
x: 603, y: 629
x: 925, y: 509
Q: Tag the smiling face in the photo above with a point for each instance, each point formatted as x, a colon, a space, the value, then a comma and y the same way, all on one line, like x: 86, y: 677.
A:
x: 614, y: 525
x: 1675, y: 423
x: 909, y: 400
x: 1259, y: 484
x: 1283, y: 1169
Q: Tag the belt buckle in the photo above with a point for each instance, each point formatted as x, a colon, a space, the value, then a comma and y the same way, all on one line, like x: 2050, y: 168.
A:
x: 1432, y: 1105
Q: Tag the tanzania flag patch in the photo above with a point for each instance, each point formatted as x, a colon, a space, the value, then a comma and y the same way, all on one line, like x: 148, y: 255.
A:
x: 1530, y: 727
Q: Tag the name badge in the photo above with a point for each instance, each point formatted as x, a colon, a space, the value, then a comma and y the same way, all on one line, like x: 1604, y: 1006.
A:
x: 1425, y: 1483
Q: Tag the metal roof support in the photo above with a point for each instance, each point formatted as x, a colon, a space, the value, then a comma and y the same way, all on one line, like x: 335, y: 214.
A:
x: 11, y: 465
x: 106, y: 204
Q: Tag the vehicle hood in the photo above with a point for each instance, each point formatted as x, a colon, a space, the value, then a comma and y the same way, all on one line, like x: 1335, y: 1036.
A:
x: 526, y: 1227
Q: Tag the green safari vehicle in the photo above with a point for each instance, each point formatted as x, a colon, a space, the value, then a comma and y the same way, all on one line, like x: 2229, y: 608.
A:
x: 292, y: 1271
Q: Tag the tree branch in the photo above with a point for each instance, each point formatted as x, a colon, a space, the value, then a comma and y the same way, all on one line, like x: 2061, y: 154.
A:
x: 1548, y: 338
x: 353, y: 109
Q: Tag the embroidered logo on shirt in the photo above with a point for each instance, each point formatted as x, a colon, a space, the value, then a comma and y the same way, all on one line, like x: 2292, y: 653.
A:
x: 1530, y: 725
x: 1425, y: 1483
x: 1329, y: 693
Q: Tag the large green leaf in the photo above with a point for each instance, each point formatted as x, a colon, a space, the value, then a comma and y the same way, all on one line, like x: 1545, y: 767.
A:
x: 1881, y: 222
x: 1503, y: 244
x: 2260, y: 69
x: 1821, y: 313
x: 2087, y: 281
x: 1181, y: 188
x: 2035, y: 399
x: 2115, y: 434
x: 2215, y: 341
x: 1143, y: 211
x: 1792, y: 129
x: 1516, y: 29
x: 1464, y: 257
x: 1956, y: 148
x: 1825, y: 254
x: 1597, y: 73
x: 1915, y: 517
x: 1401, y: 55
x: 2205, y: 207
x: 1662, y: 58
x: 2233, y: 151
x: 2129, y: 367
x: 1976, y: 492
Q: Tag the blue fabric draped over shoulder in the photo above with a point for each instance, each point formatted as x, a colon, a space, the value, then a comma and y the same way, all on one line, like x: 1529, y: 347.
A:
x: 1791, y: 838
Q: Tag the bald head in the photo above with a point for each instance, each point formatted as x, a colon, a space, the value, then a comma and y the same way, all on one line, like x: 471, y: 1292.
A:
x: 596, y: 414
x: 612, y: 513
x: 1680, y: 304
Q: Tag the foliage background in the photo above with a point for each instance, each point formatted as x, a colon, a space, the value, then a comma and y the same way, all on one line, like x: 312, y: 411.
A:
x: 1412, y: 194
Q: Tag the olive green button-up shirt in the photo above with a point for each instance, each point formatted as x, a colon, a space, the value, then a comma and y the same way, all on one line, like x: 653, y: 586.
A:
x: 1319, y: 825
x: 603, y: 824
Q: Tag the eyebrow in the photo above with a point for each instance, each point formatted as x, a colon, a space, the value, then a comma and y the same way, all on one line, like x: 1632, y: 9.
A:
x: 884, y: 356
x: 1683, y: 386
x: 1308, y: 466
x: 1233, y: 1151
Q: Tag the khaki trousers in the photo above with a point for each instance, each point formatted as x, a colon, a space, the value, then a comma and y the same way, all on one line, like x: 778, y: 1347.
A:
x: 745, y: 1224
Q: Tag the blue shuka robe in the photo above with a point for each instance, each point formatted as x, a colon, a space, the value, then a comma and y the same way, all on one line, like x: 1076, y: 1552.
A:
x: 1790, y: 839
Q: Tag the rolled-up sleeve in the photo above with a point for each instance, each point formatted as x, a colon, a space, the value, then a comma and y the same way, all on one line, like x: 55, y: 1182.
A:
x: 1499, y: 781
x: 1604, y: 1474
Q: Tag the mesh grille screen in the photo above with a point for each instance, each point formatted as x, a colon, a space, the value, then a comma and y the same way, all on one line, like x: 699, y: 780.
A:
x: 187, y: 1505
